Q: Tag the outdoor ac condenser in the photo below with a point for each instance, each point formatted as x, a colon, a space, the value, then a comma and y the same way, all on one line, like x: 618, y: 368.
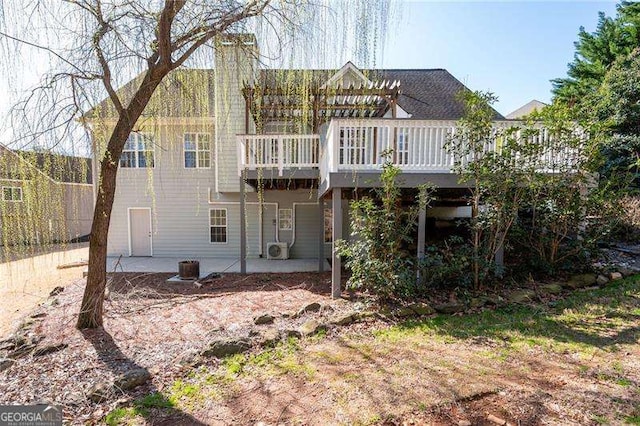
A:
x: 277, y: 251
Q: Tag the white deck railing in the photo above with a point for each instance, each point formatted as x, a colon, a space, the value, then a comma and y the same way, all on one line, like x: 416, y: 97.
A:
x: 365, y: 144
x: 278, y: 151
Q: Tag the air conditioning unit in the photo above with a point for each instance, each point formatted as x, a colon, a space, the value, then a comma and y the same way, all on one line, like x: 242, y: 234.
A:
x: 277, y: 251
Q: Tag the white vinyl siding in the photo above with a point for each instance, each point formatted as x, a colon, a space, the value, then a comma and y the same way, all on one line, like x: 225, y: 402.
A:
x: 138, y: 151
x: 218, y: 226
x: 12, y: 194
x: 197, y: 151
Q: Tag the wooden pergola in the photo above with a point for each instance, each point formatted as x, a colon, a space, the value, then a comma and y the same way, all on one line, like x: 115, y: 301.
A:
x: 318, y: 104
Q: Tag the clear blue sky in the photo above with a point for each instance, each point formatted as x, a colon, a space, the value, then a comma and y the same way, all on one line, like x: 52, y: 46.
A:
x: 512, y: 48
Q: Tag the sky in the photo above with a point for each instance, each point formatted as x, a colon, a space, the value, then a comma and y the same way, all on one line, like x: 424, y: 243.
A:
x: 511, y: 48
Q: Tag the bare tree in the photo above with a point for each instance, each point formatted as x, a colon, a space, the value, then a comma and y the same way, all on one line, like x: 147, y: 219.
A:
x: 100, y: 44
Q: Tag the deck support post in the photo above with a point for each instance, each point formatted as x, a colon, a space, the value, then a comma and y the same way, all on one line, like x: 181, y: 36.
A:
x: 321, y: 235
x: 499, y: 257
x: 422, y: 227
x: 243, y: 228
x: 336, y: 267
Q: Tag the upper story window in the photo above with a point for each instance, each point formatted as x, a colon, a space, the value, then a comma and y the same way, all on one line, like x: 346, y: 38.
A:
x: 12, y: 193
x: 197, y: 151
x: 138, y: 151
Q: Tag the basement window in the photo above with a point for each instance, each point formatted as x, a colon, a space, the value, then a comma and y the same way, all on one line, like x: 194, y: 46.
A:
x: 285, y: 219
x: 12, y: 194
x: 218, y: 226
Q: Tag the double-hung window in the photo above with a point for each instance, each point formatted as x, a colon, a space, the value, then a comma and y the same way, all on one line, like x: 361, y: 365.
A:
x: 138, y: 151
x: 218, y: 226
x: 197, y: 151
x: 285, y: 219
x: 12, y: 194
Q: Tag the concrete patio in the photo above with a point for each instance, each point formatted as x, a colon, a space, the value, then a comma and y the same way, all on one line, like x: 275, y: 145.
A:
x: 208, y: 265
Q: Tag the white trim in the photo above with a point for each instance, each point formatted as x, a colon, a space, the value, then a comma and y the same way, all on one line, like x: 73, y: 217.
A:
x: 150, y: 230
x: 341, y: 73
x: 13, y: 188
x: 226, y: 227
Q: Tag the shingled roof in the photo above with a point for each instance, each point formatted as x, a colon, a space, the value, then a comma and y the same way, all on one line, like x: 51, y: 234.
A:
x: 429, y: 94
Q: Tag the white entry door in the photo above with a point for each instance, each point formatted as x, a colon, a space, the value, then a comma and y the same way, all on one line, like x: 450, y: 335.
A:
x: 140, y: 232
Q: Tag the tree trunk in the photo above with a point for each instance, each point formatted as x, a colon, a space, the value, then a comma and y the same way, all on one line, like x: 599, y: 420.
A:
x: 91, y: 310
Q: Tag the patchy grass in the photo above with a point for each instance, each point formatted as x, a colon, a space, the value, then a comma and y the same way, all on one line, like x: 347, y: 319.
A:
x: 572, y: 362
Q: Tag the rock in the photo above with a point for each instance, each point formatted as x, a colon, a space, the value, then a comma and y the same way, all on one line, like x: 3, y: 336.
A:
x: 311, y: 327
x: 521, y: 296
x: 464, y: 423
x: 311, y: 307
x: 449, y: 308
x: 614, y: 276
x: 269, y: 337
x: 100, y: 392
x: 131, y: 379
x: 225, y: 347
x: 421, y: 308
x: 404, y: 312
x: 56, y: 291
x: 291, y: 333
x: 627, y: 272
x: 581, y: 281
x: 327, y: 309
x: 342, y: 318
x: 38, y: 315
x: 6, y: 363
x: 551, y: 288
x: 602, y: 280
x: 21, y: 351
x: 49, y: 349
x: 263, y: 319
x: 190, y: 358
x: 364, y: 316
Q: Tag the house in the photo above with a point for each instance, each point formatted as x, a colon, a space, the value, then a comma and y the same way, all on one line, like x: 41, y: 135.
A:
x: 45, y: 197
x: 526, y: 109
x: 242, y: 162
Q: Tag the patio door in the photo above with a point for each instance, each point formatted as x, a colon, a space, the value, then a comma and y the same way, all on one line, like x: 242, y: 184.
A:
x: 140, y: 232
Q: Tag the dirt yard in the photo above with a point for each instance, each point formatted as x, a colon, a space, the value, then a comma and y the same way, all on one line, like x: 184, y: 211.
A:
x: 21, y: 295
x: 573, y: 360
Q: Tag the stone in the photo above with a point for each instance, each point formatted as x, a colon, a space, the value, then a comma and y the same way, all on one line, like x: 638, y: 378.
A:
x: 614, y: 276
x: 449, y: 308
x: 291, y: 333
x: 38, y: 315
x: 627, y: 272
x: 191, y: 358
x: 6, y: 363
x: 343, y: 318
x: 131, y: 379
x: 56, y: 291
x: 263, y: 319
x: 602, y: 280
x: 311, y: 327
x: 521, y: 296
x: 404, y: 312
x: 269, y: 337
x: 311, y: 307
x: 464, y: 423
x: 421, y: 309
x: 581, y: 281
x: 49, y: 349
x: 364, y: 316
x: 100, y: 392
x: 551, y: 288
x: 225, y: 347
